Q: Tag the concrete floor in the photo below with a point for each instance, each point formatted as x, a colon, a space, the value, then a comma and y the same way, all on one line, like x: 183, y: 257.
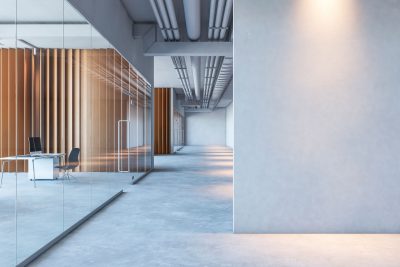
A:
x: 44, y: 211
x: 181, y: 215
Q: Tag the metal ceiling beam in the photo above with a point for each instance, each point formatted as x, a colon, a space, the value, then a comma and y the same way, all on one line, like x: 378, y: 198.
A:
x: 190, y: 49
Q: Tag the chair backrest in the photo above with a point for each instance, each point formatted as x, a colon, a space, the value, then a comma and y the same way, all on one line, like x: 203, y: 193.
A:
x: 74, y: 156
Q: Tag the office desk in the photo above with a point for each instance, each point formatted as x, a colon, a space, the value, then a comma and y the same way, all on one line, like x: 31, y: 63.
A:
x: 40, y: 166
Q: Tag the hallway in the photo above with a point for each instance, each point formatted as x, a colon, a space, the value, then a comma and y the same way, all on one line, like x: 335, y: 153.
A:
x: 181, y: 215
x: 166, y: 219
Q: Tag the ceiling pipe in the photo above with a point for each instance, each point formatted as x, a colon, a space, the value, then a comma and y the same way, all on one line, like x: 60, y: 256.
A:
x: 172, y: 17
x: 211, y: 20
x: 193, y: 26
x: 220, y: 14
x: 218, y: 18
x: 165, y: 17
x: 196, y: 75
x: 192, y: 17
x: 158, y: 18
x: 226, y: 17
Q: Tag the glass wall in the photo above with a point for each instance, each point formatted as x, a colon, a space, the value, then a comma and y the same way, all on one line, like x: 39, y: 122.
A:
x: 75, y: 123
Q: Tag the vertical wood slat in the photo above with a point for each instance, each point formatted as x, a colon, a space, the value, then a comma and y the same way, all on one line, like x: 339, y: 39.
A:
x: 5, y: 102
x: 48, y: 101
x: 77, y: 98
x: 115, y: 137
x: 108, y: 142
x: 62, y: 102
x: 69, y: 101
x: 162, y: 92
x: 162, y: 121
x: 27, y: 102
x: 54, y: 97
x: 12, y: 149
x: 102, y: 108
x: 83, y: 108
x: 19, y: 108
x: 2, y: 68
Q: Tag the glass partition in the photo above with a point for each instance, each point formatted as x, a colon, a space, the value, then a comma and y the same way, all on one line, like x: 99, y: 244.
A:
x: 39, y: 208
x: 8, y: 143
x: 75, y: 123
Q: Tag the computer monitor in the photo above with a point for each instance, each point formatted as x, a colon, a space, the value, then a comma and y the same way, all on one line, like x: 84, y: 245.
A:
x: 35, y: 146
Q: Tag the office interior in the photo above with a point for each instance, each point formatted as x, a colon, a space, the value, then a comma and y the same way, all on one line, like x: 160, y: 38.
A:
x: 215, y: 133
x: 66, y: 89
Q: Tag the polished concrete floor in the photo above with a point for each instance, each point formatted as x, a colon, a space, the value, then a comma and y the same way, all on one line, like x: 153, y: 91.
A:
x: 44, y: 211
x: 181, y: 215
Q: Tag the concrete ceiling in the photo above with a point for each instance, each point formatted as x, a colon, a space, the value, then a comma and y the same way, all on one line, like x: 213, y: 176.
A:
x: 40, y: 23
x: 38, y: 10
x: 140, y: 11
x: 165, y: 75
x: 46, y: 23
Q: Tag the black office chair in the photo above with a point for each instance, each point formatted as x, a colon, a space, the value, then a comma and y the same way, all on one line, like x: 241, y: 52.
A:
x: 71, y: 164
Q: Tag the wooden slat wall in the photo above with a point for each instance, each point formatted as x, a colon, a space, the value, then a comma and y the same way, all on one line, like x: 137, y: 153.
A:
x: 162, y: 100
x: 15, y: 112
x: 70, y: 98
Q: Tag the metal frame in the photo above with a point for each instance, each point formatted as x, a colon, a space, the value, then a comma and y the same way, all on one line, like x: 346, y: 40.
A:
x: 57, y: 239
x: 119, y: 144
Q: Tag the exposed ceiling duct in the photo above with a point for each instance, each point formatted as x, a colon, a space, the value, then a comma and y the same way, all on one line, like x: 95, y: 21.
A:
x: 166, y: 20
x: 218, y: 69
x: 174, y: 22
x: 224, y: 78
x: 193, y: 26
x: 226, y: 19
x: 196, y: 65
x: 181, y: 68
x: 220, y: 15
x: 192, y: 17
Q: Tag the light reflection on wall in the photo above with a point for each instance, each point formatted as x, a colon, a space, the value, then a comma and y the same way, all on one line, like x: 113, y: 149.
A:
x: 323, y: 60
x: 326, y: 15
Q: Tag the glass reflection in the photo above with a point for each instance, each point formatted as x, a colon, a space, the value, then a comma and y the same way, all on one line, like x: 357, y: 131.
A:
x: 62, y: 82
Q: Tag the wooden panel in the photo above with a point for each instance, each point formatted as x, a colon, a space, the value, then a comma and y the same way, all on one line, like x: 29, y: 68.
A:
x: 4, y: 98
x: 54, y: 97
x: 84, y: 121
x: 61, y: 102
x: 27, y: 100
x: 76, y: 99
x: 48, y: 101
x: 70, y: 98
x: 19, y: 108
x: 12, y: 110
x: 162, y: 126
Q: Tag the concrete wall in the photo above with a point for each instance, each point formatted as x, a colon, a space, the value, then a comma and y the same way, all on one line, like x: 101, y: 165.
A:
x: 112, y: 21
x: 229, y: 125
x: 317, y: 90
x: 205, y: 128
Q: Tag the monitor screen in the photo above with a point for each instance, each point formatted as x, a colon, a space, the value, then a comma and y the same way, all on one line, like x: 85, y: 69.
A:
x: 35, y: 144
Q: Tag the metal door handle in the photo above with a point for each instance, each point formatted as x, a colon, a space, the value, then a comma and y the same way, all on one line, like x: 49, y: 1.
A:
x: 119, y: 144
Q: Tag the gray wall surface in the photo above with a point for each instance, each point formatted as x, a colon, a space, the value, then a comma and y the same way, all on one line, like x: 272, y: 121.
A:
x: 317, y: 90
x: 112, y: 21
x: 206, y: 128
x: 229, y: 125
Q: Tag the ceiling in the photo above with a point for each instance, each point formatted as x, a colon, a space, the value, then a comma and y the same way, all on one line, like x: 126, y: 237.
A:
x: 140, y: 11
x: 165, y: 75
x: 56, y: 24
x: 46, y: 23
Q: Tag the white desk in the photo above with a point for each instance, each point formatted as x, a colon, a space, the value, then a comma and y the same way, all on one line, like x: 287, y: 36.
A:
x: 40, y: 166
